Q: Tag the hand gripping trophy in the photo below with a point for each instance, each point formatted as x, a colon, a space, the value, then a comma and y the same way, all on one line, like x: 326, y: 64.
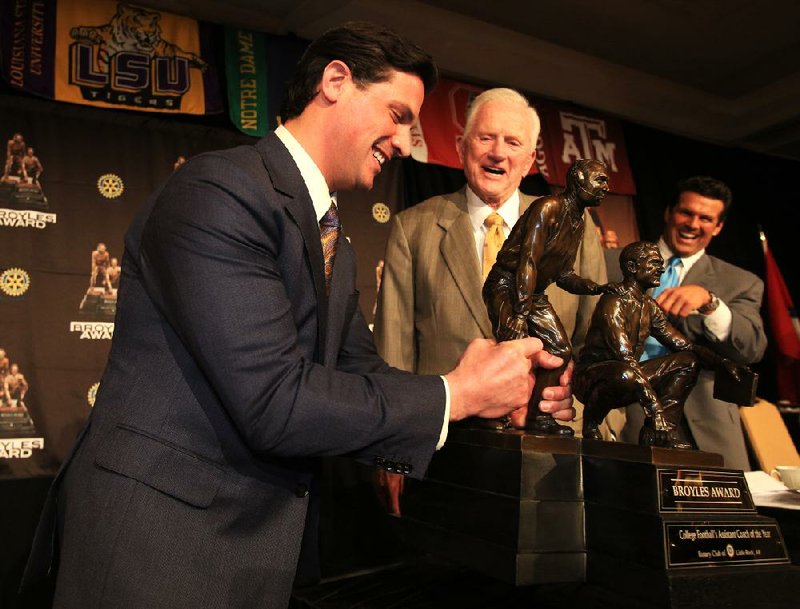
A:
x: 608, y: 372
x: 540, y: 250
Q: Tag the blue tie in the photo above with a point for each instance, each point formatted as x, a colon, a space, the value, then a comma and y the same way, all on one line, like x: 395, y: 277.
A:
x: 669, y: 279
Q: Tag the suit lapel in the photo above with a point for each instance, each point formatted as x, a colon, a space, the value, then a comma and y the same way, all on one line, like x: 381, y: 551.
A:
x: 286, y: 179
x: 458, y: 251
x: 701, y: 273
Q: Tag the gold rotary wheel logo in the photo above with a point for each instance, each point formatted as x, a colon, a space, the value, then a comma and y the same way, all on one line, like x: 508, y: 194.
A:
x: 381, y: 212
x: 110, y: 185
x: 15, y: 282
x: 92, y: 394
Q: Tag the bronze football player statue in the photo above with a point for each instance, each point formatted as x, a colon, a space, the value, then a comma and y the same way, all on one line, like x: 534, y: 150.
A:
x: 540, y: 250
x: 608, y: 372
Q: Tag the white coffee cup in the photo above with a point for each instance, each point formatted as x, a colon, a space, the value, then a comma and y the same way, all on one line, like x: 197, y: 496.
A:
x: 789, y: 475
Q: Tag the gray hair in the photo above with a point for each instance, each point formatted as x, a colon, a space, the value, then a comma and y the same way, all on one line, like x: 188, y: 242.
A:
x: 506, y: 95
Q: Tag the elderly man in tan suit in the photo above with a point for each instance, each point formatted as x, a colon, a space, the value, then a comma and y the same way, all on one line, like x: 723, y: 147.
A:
x: 439, y: 251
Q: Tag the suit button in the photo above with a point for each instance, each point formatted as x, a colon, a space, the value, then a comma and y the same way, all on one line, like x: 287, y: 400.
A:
x: 301, y: 490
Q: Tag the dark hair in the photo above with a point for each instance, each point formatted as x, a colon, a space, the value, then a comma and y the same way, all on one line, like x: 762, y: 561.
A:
x: 705, y: 186
x: 634, y: 252
x: 370, y: 51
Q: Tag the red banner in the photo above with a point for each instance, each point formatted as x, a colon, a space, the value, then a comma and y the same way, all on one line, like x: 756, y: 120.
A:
x: 785, y: 331
x: 568, y: 133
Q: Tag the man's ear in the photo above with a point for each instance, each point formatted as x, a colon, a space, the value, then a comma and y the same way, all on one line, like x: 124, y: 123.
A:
x: 335, y: 77
x: 460, y: 142
x: 718, y: 229
x: 529, y: 162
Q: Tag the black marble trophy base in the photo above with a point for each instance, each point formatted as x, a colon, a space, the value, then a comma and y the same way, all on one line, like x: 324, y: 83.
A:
x: 674, y: 529
x: 507, y: 504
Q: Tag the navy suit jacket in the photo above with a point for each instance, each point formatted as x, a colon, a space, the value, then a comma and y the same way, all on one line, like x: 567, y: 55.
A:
x: 230, y: 370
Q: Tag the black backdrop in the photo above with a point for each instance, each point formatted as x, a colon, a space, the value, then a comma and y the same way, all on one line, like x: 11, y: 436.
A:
x: 76, y: 144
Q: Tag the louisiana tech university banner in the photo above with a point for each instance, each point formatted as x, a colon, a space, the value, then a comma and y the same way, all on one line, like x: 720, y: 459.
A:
x: 567, y: 133
x: 109, y: 54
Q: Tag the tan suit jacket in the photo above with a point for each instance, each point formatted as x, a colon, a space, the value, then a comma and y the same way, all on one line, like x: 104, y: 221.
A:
x: 430, y: 305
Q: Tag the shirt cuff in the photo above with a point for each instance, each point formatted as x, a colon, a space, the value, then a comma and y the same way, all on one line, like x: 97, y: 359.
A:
x: 718, y: 323
x: 446, y: 422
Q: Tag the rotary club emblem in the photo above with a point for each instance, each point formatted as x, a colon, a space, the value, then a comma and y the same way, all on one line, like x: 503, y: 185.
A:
x: 110, y: 185
x: 92, y: 394
x: 15, y: 282
x: 381, y: 212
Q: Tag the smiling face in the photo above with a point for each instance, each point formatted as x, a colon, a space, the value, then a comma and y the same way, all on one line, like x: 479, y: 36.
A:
x: 690, y: 225
x: 374, y: 126
x: 498, y: 152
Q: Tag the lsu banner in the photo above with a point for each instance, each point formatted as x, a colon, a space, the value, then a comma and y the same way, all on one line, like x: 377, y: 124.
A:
x: 109, y: 54
x: 567, y: 134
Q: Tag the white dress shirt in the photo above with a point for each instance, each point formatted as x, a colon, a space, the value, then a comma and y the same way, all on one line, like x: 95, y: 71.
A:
x: 479, y: 211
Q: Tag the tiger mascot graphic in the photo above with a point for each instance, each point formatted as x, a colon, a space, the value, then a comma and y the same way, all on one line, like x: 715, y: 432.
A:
x: 132, y: 29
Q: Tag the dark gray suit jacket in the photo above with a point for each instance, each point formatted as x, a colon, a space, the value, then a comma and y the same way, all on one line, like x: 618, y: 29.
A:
x: 230, y: 371
x: 715, y: 425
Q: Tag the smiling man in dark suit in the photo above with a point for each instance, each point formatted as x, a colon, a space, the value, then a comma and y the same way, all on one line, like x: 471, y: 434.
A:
x: 195, y: 491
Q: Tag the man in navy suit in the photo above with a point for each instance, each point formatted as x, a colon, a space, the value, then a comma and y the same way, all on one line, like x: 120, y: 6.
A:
x: 196, y: 491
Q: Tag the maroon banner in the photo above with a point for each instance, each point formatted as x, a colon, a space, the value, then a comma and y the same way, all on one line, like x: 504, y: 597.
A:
x: 568, y: 133
x: 785, y: 330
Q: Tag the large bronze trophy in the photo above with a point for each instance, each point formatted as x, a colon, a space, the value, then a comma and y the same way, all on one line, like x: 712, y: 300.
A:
x: 666, y: 526
x: 541, y: 250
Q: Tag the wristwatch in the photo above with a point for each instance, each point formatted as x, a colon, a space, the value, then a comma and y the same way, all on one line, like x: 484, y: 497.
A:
x: 709, y: 306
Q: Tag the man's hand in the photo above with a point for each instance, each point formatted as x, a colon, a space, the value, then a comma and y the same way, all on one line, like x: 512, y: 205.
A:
x: 492, y: 379
x: 388, y: 488
x: 683, y: 300
x: 555, y: 400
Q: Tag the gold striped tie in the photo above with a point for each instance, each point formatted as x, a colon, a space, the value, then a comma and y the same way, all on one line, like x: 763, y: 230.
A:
x: 493, y: 241
x: 329, y: 228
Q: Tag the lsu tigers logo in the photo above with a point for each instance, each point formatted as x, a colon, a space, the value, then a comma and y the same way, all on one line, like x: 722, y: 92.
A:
x: 127, y: 56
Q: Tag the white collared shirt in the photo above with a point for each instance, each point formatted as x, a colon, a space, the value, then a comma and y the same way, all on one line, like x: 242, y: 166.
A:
x: 479, y: 211
x: 717, y: 324
x: 321, y: 198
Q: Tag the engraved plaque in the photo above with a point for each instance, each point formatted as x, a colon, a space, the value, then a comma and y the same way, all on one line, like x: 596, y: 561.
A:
x: 694, y: 490
x: 730, y: 543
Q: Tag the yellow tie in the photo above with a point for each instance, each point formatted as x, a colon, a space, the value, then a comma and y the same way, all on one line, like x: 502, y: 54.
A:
x: 493, y: 241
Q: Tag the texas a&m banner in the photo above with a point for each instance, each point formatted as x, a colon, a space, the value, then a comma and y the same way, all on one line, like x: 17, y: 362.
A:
x: 567, y: 133
x: 110, y: 54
